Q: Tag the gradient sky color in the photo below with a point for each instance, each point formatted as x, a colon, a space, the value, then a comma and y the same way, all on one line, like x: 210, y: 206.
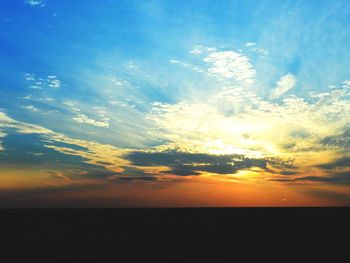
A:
x: 174, y: 103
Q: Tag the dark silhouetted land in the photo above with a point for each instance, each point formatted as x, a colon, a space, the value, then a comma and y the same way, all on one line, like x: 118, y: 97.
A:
x: 175, y: 235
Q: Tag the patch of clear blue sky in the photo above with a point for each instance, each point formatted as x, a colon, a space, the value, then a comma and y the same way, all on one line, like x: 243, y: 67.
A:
x: 86, y: 42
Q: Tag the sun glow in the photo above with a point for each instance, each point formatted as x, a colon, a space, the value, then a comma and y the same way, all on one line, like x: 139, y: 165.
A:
x: 218, y: 147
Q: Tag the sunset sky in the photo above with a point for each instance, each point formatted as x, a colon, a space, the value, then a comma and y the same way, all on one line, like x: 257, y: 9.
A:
x: 174, y: 103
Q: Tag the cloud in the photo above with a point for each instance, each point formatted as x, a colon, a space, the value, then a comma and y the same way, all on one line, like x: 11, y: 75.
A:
x: 29, y: 76
x: 234, y: 120
x: 68, y: 103
x: 131, y: 174
x: 249, y: 44
x: 82, y: 118
x: 2, y: 134
x: 260, y: 50
x: 41, y: 82
x: 7, y: 123
x: 92, y: 153
x: 187, y: 65
x: 21, y: 127
x: 183, y: 164
x: 337, y: 163
x: 196, y: 51
x: 54, y: 83
x: 231, y: 65
x: 337, y: 178
x: 341, y: 142
x: 284, y: 84
x: 71, y: 105
x: 174, y: 61
x: 131, y: 65
x: 27, y: 97
x: 230, y: 120
x: 346, y: 83
x: 35, y: 2
x: 31, y: 108
x: 199, y: 49
x: 288, y: 172
x: 134, y: 178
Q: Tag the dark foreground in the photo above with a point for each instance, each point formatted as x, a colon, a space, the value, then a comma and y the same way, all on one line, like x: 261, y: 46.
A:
x: 175, y: 235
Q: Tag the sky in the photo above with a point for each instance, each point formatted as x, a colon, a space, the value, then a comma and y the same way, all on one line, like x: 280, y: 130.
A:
x: 174, y: 103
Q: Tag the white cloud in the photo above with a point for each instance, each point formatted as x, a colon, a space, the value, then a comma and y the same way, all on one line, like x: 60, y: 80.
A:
x: 35, y: 2
x: 249, y: 44
x: 235, y: 120
x: 260, y: 50
x: 174, y: 61
x: 82, y: 118
x: 101, y: 112
x: 2, y: 134
x: 68, y: 103
x: 284, y: 84
x: 39, y: 83
x: 29, y: 76
x: 113, y: 102
x: 54, y: 83
x: 31, y: 108
x: 230, y: 64
x: 187, y: 65
x: 118, y: 82
x: 71, y: 105
x: 131, y: 65
x: 346, y: 83
x: 199, y: 49
x: 253, y: 47
x: 197, y: 69
x: 196, y: 51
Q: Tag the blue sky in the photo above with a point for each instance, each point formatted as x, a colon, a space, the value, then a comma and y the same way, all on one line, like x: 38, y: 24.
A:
x: 263, y: 79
